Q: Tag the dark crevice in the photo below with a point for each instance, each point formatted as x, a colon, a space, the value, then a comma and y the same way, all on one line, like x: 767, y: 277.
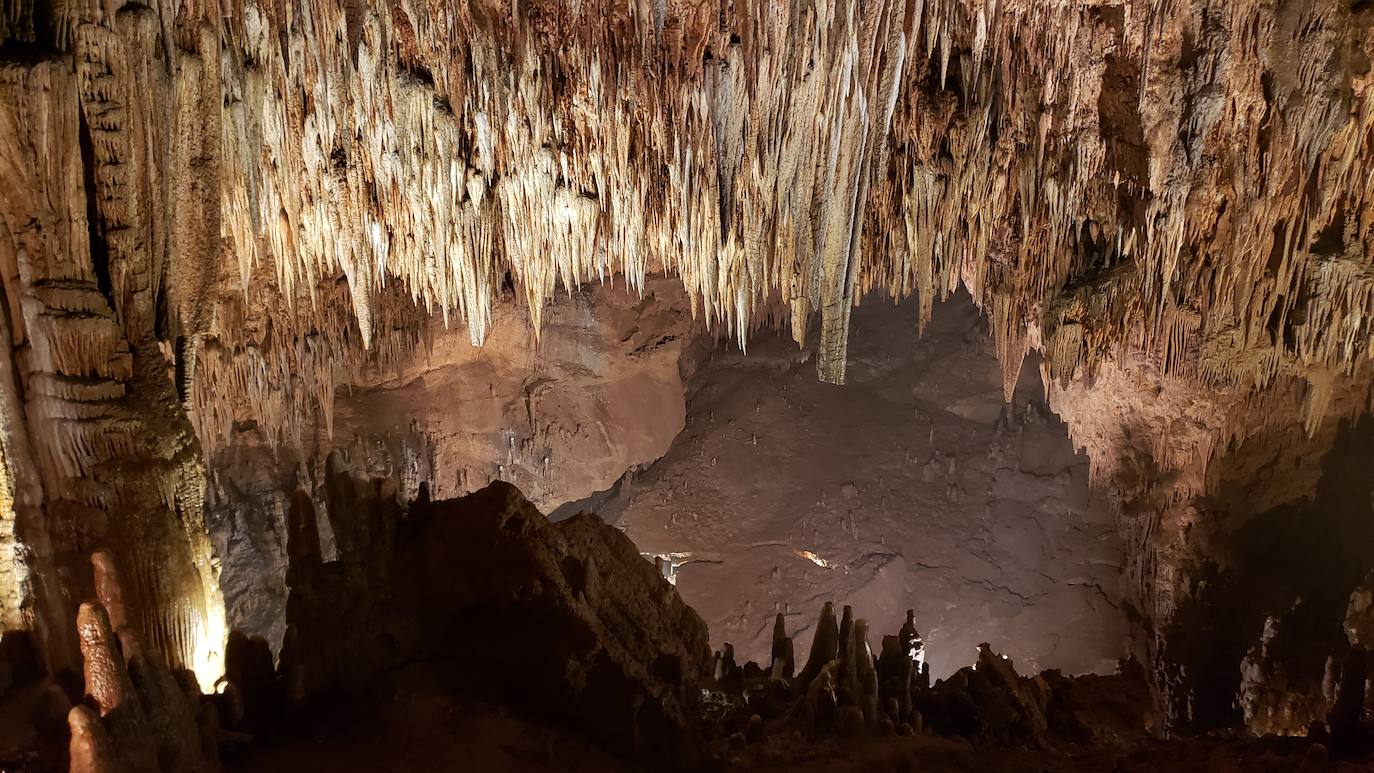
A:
x: 354, y: 13
x: 419, y: 74
x: 9, y: 337
x: 100, y: 249
x: 182, y: 357
x: 25, y: 53
x: 161, y: 315
x: 1330, y: 241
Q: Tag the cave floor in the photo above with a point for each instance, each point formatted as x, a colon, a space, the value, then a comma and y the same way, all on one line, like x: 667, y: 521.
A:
x: 438, y: 738
x: 915, y: 485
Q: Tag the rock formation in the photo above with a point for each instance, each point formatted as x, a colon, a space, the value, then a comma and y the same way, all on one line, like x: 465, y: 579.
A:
x: 602, y: 393
x: 987, y: 703
x: 482, y: 594
x: 474, y: 607
x: 215, y: 218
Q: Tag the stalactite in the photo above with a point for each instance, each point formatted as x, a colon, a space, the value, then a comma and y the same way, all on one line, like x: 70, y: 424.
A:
x: 803, y: 154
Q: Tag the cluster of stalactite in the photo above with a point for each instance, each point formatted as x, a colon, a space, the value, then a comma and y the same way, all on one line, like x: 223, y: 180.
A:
x: 797, y: 155
x: 281, y: 380
x: 1138, y: 175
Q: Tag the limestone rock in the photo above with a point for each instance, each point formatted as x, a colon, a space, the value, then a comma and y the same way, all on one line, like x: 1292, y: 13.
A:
x: 1359, y: 615
x: 563, y: 622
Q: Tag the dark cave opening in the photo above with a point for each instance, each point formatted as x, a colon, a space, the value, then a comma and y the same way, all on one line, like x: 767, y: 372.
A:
x: 1298, y: 564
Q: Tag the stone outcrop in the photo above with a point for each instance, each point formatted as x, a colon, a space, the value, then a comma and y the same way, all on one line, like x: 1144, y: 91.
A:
x: 563, y: 622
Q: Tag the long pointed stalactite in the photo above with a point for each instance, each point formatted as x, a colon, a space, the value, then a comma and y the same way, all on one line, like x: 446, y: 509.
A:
x: 214, y: 214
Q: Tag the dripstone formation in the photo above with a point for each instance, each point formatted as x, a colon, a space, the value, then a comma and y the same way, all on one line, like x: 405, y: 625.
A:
x: 230, y: 231
x: 564, y: 621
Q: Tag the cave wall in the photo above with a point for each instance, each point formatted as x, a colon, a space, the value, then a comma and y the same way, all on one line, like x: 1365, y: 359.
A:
x: 1185, y: 467
x: 916, y: 486
x: 1296, y: 563
x: 102, y: 133
x: 601, y: 391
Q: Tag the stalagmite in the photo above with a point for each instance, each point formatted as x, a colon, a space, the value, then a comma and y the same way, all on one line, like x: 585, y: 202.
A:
x: 1352, y: 732
x: 107, y: 680
x: 782, y: 660
x: 825, y: 646
x: 910, y: 639
x: 147, y: 720
x: 895, y: 678
x: 867, y: 675
x: 822, y: 700
x: 107, y: 589
x: 91, y: 748
x: 302, y: 533
x: 847, y: 675
x: 250, y: 674
x: 725, y: 667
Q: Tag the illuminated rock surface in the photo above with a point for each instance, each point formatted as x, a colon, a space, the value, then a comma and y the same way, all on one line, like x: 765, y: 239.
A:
x: 913, y: 486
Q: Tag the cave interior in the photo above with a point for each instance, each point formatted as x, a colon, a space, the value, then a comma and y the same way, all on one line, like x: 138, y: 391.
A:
x: 522, y: 385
